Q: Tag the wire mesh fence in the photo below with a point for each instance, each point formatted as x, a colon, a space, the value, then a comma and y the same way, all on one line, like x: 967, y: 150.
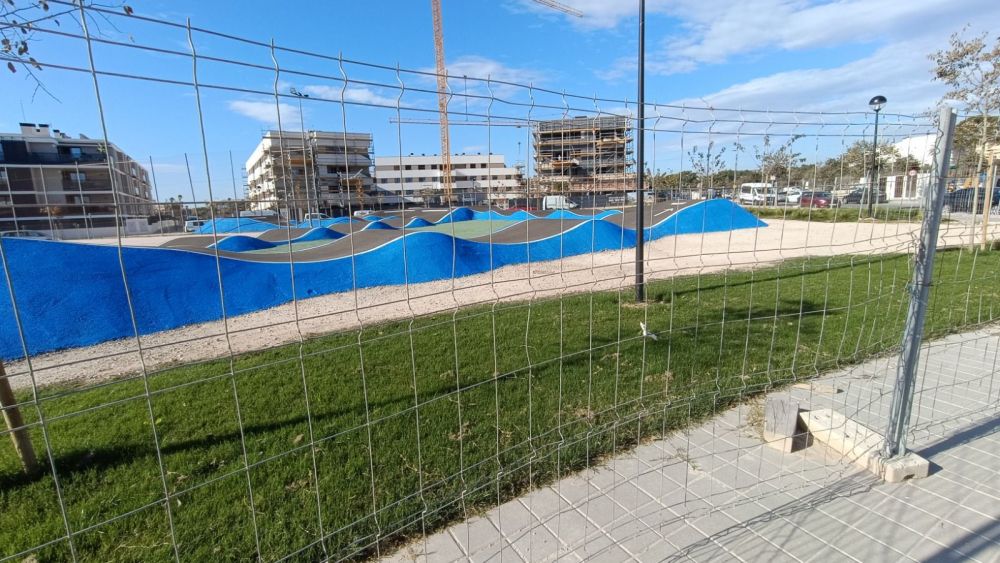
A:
x: 350, y: 352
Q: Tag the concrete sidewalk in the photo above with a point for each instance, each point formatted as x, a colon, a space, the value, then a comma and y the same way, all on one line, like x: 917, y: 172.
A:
x: 718, y: 493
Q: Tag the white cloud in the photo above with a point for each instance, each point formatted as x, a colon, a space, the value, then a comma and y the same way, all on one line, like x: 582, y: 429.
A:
x: 473, y: 80
x: 485, y: 74
x: 267, y: 113
x: 475, y: 66
x: 597, y: 14
x: 900, y: 72
x: 716, y: 30
x: 351, y: 94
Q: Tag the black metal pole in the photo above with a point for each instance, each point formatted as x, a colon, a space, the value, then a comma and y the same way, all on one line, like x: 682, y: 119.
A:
x: 873, y: 183
x: 640, y: 196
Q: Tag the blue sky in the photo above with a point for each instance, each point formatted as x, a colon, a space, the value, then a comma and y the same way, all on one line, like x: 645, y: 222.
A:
x: 754, y: 54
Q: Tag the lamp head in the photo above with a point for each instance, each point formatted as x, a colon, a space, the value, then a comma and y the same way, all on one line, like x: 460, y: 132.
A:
x: 877, y: 102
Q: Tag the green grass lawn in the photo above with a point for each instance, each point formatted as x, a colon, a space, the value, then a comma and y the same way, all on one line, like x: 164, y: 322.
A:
x: 417, y: 425
x: 838, y: 214
x: 468, y: 229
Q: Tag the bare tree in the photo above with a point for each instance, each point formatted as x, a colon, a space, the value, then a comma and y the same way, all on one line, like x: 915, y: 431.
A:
x: 706, y: 163
x: 857, y: 159
x: 773, y: 159
x: 20, y: 21
x: 971, y: 69
x: 969, y: 141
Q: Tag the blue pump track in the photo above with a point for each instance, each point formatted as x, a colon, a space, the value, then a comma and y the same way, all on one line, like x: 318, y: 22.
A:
x: 73, y: 294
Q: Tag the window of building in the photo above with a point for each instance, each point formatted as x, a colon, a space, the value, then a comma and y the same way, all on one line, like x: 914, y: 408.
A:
x: 421, y: 167
x: 78, y: 176
x: 75, y: 152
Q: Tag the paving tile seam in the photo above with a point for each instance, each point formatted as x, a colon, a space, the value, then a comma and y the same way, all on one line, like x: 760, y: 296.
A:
x: 927, y: 536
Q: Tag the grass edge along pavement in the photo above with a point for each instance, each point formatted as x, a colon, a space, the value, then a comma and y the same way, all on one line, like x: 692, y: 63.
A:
x: 838, y: 214
x: 500, y: 399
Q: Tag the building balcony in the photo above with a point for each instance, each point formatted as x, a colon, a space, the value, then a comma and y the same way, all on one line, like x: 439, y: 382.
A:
x: 338, y: 159
x: 43, y: 159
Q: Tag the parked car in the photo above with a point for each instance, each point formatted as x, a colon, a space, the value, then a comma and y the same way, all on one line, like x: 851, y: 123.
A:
x: 25, y: 234
x: 258, y: 213
x: 316, y: 216
x: 861, y: 196
x: 817, y: 199
x: 792, y: 195
x: 192, y: 225
x: 775, y: 197
x: 362, y: 213
x: 960, y: 201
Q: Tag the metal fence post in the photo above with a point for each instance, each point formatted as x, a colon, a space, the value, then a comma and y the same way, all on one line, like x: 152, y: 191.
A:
x: 923, y: 269
x: 640, y: 192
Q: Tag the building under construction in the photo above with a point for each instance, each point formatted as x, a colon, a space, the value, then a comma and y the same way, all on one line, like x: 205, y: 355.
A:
x: 330, y: 175
x: 584, y: 155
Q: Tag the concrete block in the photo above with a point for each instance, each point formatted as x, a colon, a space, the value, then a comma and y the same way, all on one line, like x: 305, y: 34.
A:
x: 818, y: 387
x: 782, y: 430
x: 861, y: 445
x: 909, y: 466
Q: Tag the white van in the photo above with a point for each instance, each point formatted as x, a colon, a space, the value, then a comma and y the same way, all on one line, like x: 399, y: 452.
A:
x: 755, y: 193
x: 558, y: 202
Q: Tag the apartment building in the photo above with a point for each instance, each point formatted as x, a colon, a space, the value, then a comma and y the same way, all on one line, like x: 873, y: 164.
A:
x: 61, y: 185
x: 476, y: 179
x: 329, y: 173
x: 583, y: 155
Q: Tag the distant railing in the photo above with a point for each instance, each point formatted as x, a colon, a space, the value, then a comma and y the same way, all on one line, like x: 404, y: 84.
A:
x: 42, y: 159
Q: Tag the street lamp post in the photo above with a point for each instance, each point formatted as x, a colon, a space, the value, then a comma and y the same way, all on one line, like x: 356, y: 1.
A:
x: 876, y: 104
x: 640, y: 281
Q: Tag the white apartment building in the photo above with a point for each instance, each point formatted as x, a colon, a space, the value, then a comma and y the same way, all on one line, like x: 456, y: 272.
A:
x: 61, y: 185
x: 476, y: 179
x: 334, y: 171
x: 918, y: 147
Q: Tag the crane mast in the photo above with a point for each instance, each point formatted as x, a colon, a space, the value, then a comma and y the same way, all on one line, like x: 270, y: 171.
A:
x: 442, y: 87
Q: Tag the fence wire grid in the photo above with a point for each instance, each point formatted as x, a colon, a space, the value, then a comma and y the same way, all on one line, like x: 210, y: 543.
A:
x: 389, y: 417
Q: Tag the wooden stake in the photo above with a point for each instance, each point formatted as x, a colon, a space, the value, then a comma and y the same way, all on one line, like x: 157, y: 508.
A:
x: 18, y: 433
x: 987, y: 203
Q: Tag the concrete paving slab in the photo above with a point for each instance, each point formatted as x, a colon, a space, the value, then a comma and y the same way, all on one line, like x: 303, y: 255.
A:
x: 719, y: 493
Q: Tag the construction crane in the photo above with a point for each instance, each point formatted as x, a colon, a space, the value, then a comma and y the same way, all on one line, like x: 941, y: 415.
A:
x: 442, y: 85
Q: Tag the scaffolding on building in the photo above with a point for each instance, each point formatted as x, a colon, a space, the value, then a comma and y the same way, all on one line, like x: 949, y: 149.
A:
x: 584, y: 154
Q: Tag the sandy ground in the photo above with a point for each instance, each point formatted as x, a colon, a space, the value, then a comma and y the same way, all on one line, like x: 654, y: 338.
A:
x: 667, y: 257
